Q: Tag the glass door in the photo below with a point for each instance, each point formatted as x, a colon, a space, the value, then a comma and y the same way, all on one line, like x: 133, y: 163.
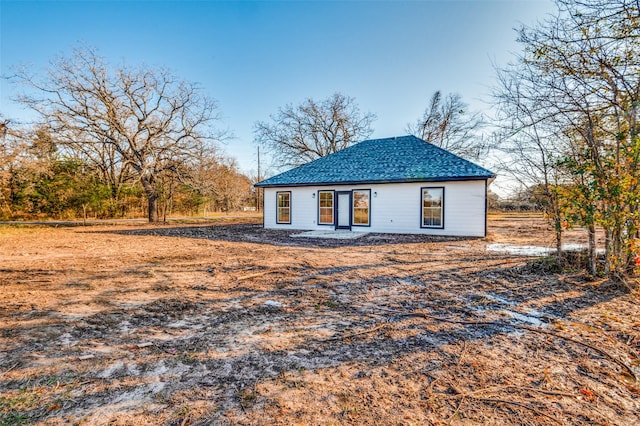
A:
x: 343, y: 210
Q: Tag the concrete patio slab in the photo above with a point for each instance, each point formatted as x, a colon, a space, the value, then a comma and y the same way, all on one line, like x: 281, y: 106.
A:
x: 333, y: 234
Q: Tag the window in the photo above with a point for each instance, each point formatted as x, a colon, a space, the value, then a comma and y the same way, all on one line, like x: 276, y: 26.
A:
x: 361, y: 207
x: 432, y: 208
x: 325, y: 207
x: 284, y: 207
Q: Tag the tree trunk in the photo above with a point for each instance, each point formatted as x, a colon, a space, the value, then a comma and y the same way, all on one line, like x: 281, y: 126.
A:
x: 557, y: 226
x: 593, y: 258
x: 152, y: 202
x: 632, y: 251
x: 152, y: 198
x: 114, y: 205
x: 608, y: 251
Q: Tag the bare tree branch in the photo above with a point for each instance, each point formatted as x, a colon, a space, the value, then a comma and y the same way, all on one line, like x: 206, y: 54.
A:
x: 299, y: 134
x: 447, y: 124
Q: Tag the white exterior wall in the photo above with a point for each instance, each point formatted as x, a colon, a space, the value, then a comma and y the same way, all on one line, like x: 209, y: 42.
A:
x: 394, y: 208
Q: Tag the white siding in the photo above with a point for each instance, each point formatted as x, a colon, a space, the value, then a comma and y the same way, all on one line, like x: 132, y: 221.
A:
x: 394, y: 208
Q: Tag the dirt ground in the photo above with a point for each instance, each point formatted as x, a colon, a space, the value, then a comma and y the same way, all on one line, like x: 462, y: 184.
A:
x: 227, y: 323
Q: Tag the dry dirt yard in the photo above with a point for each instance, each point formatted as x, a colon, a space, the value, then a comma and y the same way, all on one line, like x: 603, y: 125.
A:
x: 227, y: 323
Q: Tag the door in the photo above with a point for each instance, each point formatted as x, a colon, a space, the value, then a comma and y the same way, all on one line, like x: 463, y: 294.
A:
x: 343, y: 210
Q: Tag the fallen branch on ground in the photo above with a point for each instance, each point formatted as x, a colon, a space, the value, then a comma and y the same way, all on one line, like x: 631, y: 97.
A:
x: 513, y: 387
x: 350, y: 335
x: 517, y: 403
x: 595, y: 348
x: 9, y: 369
x: 518, y: 326
x: 256, y: 275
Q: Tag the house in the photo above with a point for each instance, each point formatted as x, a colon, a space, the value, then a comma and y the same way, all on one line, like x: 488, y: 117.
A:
x: 396, y: 185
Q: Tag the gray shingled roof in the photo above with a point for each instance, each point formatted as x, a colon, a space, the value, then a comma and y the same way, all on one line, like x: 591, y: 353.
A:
x: 399, y: 159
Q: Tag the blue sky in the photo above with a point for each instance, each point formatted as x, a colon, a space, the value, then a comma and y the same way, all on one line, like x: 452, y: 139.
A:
x: 254, y: 57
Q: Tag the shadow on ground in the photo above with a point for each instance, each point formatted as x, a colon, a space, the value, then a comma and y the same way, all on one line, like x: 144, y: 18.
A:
x: 318, y: 345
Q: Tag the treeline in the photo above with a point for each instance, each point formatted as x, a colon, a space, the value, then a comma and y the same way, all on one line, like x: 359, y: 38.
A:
x: 531, y: 199
x: 115, y: 142
x: 40, y: 179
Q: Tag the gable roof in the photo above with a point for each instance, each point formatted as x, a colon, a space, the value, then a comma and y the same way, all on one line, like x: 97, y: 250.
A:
x: 397, y: 159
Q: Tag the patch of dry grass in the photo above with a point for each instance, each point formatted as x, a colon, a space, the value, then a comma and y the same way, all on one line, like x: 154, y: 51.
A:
x: 231, y: 324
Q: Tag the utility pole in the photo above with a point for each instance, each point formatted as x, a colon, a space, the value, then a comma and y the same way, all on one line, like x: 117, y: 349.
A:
x: 258, y: 189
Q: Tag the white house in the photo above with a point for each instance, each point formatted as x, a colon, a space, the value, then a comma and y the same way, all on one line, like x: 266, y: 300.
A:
x: 397, y: 185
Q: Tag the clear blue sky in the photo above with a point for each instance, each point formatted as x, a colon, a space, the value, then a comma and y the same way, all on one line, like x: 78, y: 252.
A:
x: 254, y: 57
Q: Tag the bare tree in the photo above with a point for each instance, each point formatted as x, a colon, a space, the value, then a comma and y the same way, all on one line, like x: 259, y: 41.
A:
x: 529, y: 143
x: 218, y: 182
x: 123, y: 120
x: 447, y: 123
x: 202, y: 178
x: 232, y: 187
x: 581, y: 72
x: 298, y: 134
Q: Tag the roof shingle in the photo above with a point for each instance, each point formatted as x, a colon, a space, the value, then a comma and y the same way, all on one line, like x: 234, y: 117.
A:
x: 398, y: 159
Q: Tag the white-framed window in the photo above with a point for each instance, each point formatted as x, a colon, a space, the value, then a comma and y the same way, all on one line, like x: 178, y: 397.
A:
x: 283, y: 203
x: 361, y: 213
x: 432, y: 207
x: 325, y: 207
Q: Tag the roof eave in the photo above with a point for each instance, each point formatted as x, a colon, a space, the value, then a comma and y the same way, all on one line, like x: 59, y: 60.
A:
x: 379, y: 181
